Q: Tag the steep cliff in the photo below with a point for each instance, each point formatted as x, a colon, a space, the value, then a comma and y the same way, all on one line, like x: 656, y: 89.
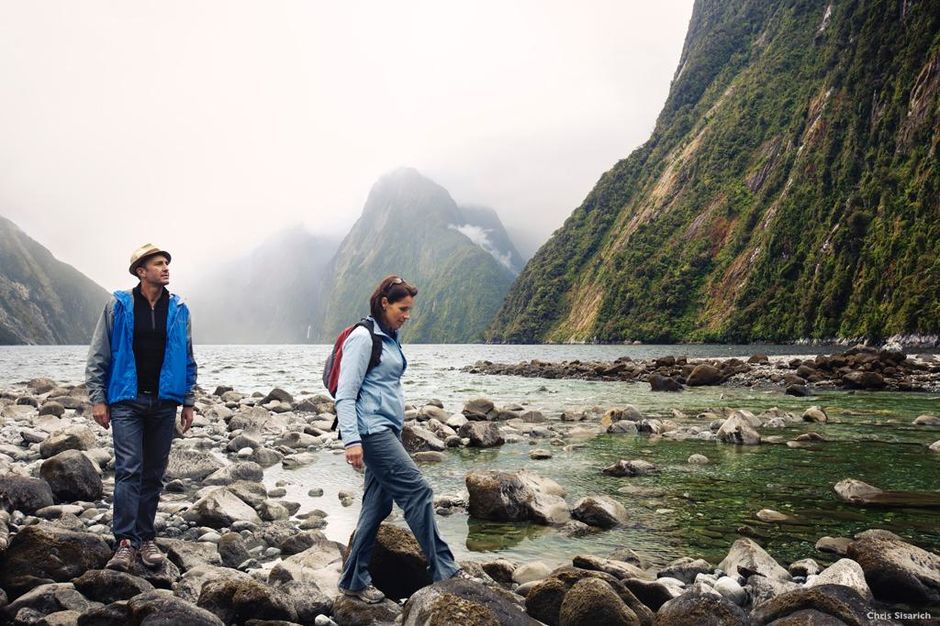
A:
x: 789, y: 189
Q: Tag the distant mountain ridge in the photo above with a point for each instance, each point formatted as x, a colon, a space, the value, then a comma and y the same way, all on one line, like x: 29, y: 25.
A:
x: 790, y: 189
x: 42, y: 299
x: 460, y: 259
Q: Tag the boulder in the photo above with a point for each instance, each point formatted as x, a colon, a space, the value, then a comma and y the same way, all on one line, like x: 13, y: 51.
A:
x: 162, y: 607
x: 747, y: 558
x: 685, y: 569
x: 44, y: 553
x: 191, y: 463
x: 650, y: 592
x: 243, y: 470
x: 531, y: 571
x: 189, y: 554
x: 545, y: 599
x: 704, y: 374
x: 40, y: 386
x: 935, y: 446
x: 47, y: 599
x: 480, y: 409
x: 592, y: 601
x: 418, y: 439
x: 664, y: 383
x: 698, y: 459
x: 701, y: 609
x: 515, y: 496
x: 618, y: 569
x: 815, y: 414
x: 636, y: 467
x: 623, y: 427
x: 51, y: 407
x: 843, y: 572
x: 25, y: 494
x: 823, y: 604
x: 72, y: 476
x: 220, y: 508
x: 232, y: 550
x: 834, y: 545
x: 349, y: 611
x: 107, y: 586
x: 296, y: 440
x: 600, y: 511
x: 482, y: 434
x: 926, y: 420
x: 463, y: 602
x: 897, y: 571
x: 398, y: 566
x: 771, y: 516
x: 863, y: 380
x: 737, y: 429
x: 277, y: 394
x: 858, y: 492
x: 189, y: 586
x: 72, y: 438
x: 238, y: 600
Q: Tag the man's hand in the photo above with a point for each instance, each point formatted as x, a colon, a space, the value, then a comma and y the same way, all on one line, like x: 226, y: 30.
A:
x: 354, y: 456
x: 186, y: 418
x: 102, y: 414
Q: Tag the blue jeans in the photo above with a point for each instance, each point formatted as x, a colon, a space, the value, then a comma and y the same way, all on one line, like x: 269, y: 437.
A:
x: 391, y: 475
x: 143, y: 431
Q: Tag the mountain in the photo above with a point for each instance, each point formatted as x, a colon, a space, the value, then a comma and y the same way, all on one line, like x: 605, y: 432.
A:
x: 272, y: 294
x: 459, y: 258
x: 43, y: 300
x: 790, y: 189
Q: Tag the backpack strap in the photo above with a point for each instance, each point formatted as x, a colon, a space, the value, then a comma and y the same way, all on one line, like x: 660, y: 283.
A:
x: 376, y: 357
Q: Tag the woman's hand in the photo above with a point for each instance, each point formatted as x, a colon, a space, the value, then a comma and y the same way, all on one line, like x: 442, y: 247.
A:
x: 354, y: 456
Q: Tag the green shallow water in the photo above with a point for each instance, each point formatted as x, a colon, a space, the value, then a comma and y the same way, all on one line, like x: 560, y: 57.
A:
x: 697, y: 511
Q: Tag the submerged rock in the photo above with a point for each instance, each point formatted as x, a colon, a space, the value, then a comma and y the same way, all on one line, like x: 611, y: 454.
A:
x: 600, y: 511
x: 516, y: 496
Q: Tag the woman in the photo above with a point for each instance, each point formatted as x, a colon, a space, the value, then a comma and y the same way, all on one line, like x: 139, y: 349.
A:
x: 370, y: 405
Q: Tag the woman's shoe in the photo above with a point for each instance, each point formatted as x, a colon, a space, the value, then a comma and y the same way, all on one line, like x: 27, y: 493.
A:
x: 369, y: 595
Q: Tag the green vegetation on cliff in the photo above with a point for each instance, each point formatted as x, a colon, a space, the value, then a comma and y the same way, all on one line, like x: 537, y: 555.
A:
x: 43, y: 300
x: 790, y: 189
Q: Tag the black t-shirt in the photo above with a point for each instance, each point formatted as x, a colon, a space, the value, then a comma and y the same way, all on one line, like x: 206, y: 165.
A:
x: 149, y: 340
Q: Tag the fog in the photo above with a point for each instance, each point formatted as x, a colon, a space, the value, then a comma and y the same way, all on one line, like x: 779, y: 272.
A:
x: 206, y: 127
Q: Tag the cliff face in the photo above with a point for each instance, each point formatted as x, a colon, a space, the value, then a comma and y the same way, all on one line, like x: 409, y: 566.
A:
x: 457, y: 258
x: 42, y: 300
x: 790, y: 189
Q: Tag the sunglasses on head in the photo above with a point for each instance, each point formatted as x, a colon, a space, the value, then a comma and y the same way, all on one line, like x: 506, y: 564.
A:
x: 395, y: 281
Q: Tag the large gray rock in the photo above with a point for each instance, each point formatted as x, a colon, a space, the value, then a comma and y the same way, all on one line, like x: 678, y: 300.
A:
x: 238, y: 600
x: 823, y: 604
x: 220, y: 508
x: 352, y: 612
x: 462, y: 602
x: 72, y: 438
x: 232, y: 550
x: 25, y: 494
x: 545, y: 599
x: 516, y: 496
x: 737, y: 429
x: 398, y: 566
x: 843, y: 572
x: 600, y: 511
x: 49, y: 598
x: 44, y: 553
x: 746, y: 558
x: 107, y: 586
x: 189, y: 586
x: 704, y: 374
x: 191, y: 463
x: 72, y: 476
x: 701, y: 609
x: 243, y: 470
x: 418, y: 439
x: 897, y: 571
x: 593, y: 601
x: 162, y: 608
x: 482, y: 434
x: 189, y: 554
x: 480, y: 409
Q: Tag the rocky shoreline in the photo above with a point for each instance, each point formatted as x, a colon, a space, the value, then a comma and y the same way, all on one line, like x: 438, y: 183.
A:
x: 239, y: 553
x: 860, y: 367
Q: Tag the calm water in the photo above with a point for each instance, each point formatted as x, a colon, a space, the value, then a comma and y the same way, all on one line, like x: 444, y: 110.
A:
x: 684, y: 510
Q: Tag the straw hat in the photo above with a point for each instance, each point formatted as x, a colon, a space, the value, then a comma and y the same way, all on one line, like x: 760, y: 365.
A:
x: 143, y: 253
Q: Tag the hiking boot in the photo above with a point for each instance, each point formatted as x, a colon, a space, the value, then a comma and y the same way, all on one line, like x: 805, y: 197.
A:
x: 150, y: 554
x: 369, y: 595
x: 463, y: 574
x: 123, y: 557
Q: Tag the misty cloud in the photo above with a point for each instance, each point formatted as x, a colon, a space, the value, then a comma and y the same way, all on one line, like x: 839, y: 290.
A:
x: 480, y: 236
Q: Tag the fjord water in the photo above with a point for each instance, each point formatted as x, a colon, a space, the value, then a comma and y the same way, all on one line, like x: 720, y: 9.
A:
x: 685, y: 510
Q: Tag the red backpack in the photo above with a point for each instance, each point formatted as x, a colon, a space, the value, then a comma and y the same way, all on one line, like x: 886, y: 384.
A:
x: 335, y: 360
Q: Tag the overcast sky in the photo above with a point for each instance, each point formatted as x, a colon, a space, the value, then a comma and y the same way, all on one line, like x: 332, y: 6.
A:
x: 206, y: 126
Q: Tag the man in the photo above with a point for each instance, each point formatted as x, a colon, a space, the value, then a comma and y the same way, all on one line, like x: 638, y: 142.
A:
x: 140, y: 369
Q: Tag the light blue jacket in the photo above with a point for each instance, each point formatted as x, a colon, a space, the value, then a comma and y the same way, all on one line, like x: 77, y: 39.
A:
x: 111, y: 370
x: 373, y: 402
